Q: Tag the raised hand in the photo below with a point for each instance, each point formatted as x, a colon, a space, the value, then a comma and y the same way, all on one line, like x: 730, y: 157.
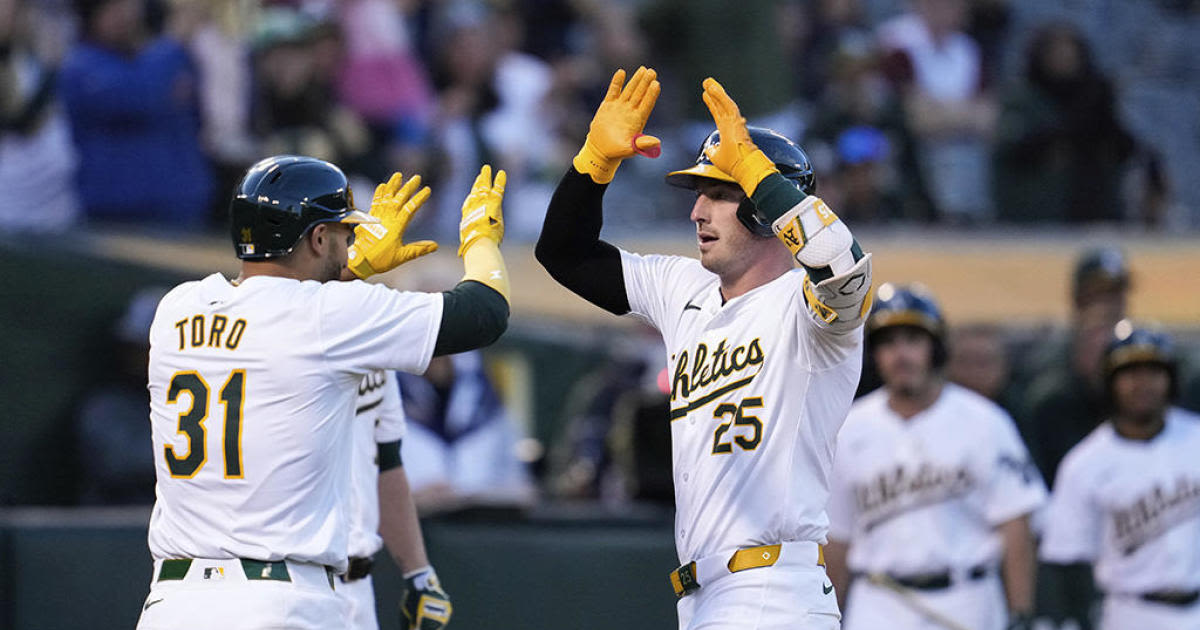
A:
x: 380, y: 247
x: 616, y: 129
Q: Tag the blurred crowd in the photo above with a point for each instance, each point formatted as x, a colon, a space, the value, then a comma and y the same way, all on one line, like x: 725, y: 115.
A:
x: 142, y: 113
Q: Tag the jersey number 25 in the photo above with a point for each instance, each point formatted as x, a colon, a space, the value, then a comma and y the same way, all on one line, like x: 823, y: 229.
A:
x: 738, y: 418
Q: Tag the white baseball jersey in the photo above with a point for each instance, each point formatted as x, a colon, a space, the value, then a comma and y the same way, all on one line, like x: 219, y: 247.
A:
x: 924, y: 494
x: 1130, y: 507
x: 758, y: 392
x: 252, y: 392
x: 379, y: 418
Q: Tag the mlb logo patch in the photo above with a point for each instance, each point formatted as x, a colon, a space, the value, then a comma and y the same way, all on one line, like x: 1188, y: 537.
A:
x: 214, y: 573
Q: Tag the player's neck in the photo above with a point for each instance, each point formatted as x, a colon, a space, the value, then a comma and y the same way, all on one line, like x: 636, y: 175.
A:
x: 271, y: 268
x: 1141, y: 428
x: 761, y: 272
x: 907, y: 403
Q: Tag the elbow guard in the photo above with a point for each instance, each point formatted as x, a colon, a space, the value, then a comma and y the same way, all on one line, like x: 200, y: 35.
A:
x: 841, y: 302
x: 838, y: 285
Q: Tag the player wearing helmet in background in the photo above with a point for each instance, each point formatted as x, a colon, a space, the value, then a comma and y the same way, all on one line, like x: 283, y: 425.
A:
x: 764, y: 356
x: 932, y: 490
x: 253, y: 383
x: 1126, y: 502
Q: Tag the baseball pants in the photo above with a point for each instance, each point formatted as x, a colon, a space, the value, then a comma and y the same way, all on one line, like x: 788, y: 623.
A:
x: 793, y: 594
x: 1131, y: 613
x: 974, y: 605
x: 218, y: 594
x: 359, y: 596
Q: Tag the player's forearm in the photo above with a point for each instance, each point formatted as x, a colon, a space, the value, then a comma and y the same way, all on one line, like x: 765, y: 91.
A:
x: 398, y: 523
x: 1018, y: 564
x: 835, y: 567
x: 570, y: 247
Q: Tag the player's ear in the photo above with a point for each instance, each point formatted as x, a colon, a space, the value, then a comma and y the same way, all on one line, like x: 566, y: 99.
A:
x: 318, y: 238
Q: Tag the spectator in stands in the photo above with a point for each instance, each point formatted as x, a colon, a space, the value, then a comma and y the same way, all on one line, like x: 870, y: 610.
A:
x: 217, y: 34
x: 1059, y: 144
x: 858, y: 140
x: 491, y: 108
x: 131, y: 98
x: 690, y: 40
x: 111, y: 419
x: 296, y: 109
x: 939, y: 71
x: 460, y: 449
x: 863, y: 183
x: 385, y: 83
x: 1064, y: 398
x: 37, y: 160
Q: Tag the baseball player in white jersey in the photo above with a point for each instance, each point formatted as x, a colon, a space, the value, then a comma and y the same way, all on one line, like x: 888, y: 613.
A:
x: 763, y: 357
x: 1127, y: 498
x: 253, y: 384
x: 381, y: 505
x: 932, y: 490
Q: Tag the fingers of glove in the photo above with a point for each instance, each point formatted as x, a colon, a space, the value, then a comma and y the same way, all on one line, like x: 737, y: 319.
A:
x: 718, y: 99
x: 395, y: 182
x: 614, y: 86
x: 414, y: 204
x: 649, y: 98
x: 632, y: 86
x: 408, y: 188
x: 483, y: 181
x: 498, y: 188
x: 415, y: 250
x: 636, y: 90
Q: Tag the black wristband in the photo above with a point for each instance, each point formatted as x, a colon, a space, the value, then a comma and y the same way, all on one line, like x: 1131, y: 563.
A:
x: 388, y: 455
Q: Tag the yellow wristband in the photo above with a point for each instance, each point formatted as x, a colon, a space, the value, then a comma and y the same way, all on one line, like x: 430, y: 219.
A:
x: 484, y: 264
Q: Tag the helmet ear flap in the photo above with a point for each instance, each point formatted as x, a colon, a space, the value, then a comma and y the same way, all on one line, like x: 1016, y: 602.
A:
x: 754, y: 221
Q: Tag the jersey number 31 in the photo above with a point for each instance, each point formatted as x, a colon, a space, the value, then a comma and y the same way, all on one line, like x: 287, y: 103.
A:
x: 191, y: 424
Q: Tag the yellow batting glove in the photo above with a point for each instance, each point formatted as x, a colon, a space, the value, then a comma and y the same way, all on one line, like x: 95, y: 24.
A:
x: 616, y: 130
x: 481, y: 214
x: 380, y: 247
x: 736, y: 153
x: 481, y: 231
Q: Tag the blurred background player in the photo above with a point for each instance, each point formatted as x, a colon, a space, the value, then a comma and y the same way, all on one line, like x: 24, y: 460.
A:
x: 763, y: 357
x: 1126, y: 503
x: 460, y: 446
x: 1064, y: 398
x: 931, y: 490
x: 382, y: 510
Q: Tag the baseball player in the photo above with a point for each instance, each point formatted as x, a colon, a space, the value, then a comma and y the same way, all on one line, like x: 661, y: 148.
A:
x: 382, y: 508
x: 763, y: 357
x: 253, y: 383
x: 1127, y: 498
x: 932, y: 490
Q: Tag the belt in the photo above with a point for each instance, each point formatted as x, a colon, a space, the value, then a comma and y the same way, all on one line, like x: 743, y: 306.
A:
x: 175, y: 569
x: 359, y: 568
x: 935, y: 581
x: 1171, y: 598
x: 688, y: 578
